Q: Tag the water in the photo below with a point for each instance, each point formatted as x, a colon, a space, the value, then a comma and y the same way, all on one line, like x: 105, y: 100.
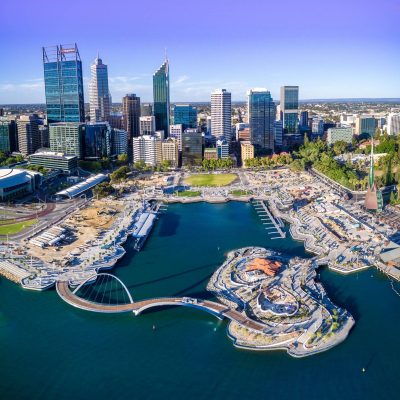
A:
x: 52, y: 350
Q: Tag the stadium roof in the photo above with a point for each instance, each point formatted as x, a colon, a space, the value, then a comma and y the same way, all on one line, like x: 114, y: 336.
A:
x: 14, y: 177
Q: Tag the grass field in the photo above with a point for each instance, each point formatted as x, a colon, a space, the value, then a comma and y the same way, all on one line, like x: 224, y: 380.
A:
x: 210, y: 179
x: 12, y: 229
x: 188, y: 193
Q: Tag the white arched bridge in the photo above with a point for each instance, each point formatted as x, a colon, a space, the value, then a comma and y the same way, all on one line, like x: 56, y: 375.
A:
x: 71, y: 296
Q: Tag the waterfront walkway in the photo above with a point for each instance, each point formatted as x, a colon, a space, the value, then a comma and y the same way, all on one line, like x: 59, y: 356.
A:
x: 217, y: 309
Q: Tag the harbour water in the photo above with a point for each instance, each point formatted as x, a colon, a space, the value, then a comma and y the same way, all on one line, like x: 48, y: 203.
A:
x: 49, y: 349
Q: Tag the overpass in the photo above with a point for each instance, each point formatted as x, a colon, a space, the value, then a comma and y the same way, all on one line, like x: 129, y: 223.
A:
x: 219, y: 310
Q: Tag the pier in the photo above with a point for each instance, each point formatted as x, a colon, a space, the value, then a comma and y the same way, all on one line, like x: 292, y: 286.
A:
x: 273, y: 224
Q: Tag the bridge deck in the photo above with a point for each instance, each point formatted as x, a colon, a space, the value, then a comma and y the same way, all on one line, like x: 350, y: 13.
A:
x: 218, y: 309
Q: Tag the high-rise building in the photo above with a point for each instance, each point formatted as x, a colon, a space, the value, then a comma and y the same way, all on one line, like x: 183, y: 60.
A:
x: 247, y: 151
x: 146, y: 110
x: 365, y: 124
x: 221, y: 114
x: 44, y: 136
x: 147, y: 125
x: 96, y: 141
x: 289, y: 109
x: 28, y: 134
x: 186, y: 115
x: 192, y: 147
x: 116, y: 120
x: 176, y: 131
x: 67, y: 137
x: 393, y: 124
x: 8, y: 136
x: 131, y: 114
x: 278, y: 133
x: 304, y: 119
x: 99, y: 94
x: 161, y: 107
x: 208, y: 125
x: 63, y: 84
x: 170, y: 151
x: 261, y: 111
x: 222, y: 149
x: 147, y: 149
x: 119, y: 142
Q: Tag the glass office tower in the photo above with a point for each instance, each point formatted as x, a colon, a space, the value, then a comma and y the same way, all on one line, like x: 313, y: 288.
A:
x: 186, y: 115
x: 63, y: 84
x: 262, y: 111
x: 289, y: 108
x: 96, y: 141
x: 161, y: 97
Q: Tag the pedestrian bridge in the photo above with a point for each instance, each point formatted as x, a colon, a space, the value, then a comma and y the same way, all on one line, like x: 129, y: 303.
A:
x: 219, y: 310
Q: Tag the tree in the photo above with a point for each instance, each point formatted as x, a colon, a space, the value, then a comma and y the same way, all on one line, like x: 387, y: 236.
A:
x: 120, y: 174
x: 122, y: 159
x: 103, y: 189
x: 340, y: 147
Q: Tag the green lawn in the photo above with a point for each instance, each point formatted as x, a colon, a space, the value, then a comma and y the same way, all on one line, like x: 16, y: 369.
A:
x: 12, y: 229
x: 188, y: 193
x: 210, y: 179
x: 241, y: 192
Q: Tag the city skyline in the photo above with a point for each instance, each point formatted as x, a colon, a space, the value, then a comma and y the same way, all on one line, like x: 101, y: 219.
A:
x: 352, y: 44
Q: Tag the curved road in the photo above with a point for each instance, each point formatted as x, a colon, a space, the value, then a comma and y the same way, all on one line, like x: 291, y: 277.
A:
x: 219, y: 310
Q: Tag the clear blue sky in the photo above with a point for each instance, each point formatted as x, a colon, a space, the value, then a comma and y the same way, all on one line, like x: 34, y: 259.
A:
x: 331, y: 49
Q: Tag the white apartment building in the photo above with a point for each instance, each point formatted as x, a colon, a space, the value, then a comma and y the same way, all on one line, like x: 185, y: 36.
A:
x: 148, y: 149
x: 393, y: 124
x: 170, y: 151
x: 221, y: 114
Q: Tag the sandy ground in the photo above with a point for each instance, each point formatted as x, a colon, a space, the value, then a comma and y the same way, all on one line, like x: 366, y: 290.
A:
x: 87, y: 223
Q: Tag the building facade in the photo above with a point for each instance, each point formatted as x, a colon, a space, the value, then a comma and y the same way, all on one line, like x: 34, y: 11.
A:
x: 119, y: 142
x: 192, y: 147
x: 63, y: 84
x: 337, y: 134
x: 147, y: 125
x: 96, y: 141
x: 222, y: 149
x: 247, y: 151
x: 221, y: 114
x: 28, y: 134
x: 170, y: 151
x: 99, y: 94
x: 8, y: 136
x: 261, y: 111
x: 185, y: 115
x: 365, y: 124
x: 67, y: 137
x: 147, y: 149
x: 393, y: 124
x: 52, y: 160
x: 176, y: 131
x: 131, y: 114
x: 161, y: 105
x: 289, y: 105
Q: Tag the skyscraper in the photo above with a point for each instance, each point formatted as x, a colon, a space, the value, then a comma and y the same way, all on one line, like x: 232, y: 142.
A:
x: 393, y: 124
x: 8, y: 136
x: 289, y: 109
x: 28, y: 134
x: 147, y: 125
x: 63, y: 84
x: 99, y: 94
x: 97, y: 141
x: 186, y: 115
x: 68, y: 138
x: 261, y: 109
x: 221, y: 114
x: 131, y: 114
x: 161, y: 106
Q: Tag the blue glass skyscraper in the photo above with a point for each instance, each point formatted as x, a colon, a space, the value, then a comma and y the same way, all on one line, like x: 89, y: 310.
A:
x: 262, y: 111
x: 63, y: 84
x: 186, y: 115
x: 161, y: 97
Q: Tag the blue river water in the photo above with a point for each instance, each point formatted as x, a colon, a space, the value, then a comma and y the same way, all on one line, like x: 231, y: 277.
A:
x: 49, y: 349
